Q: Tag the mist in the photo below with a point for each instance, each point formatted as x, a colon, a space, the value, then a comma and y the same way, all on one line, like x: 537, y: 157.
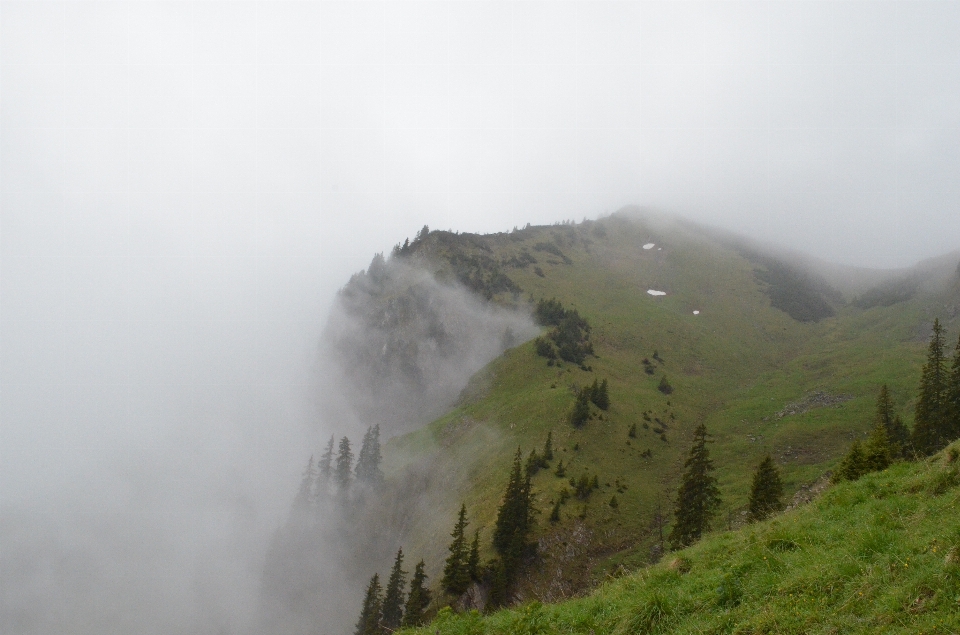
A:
x: 184, y: 187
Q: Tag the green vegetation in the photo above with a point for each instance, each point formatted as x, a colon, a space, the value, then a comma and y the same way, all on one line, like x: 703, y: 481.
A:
x: 798, y: 384
x: 698, y: 497
x: 766, y: 493
x: 879, y: 555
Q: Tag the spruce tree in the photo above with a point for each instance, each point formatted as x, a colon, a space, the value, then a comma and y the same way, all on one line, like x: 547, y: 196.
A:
x: 533, y: 463
x: 368, y: 461
x: 953, y: 397
x: 877, y: 452
x: 418, y: 599
x: 698, y: 497
x: 456, y: 577
x: 601, y: 396
x: 473, y: 560
x: 581, y: 409
x: 766, y: 492
x: 561, y: 471
x: 513, y: 525
x: 548, y: 447
x: 344, y: 463
x: 325, y: 465
x: 555, y: 512
x: 372, y: 610
x: 897, y: 433
x: 304, y: 494
x: 929, y: 426
x: 514, y: 518
x: 393, y: 596
x: 665, y: 386
x: 853, y: 465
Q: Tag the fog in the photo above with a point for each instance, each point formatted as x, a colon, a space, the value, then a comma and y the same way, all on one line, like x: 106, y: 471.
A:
x: 185, y: 185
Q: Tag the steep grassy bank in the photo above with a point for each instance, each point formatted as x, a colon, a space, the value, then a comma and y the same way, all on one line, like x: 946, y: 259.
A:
x: 879, y: 555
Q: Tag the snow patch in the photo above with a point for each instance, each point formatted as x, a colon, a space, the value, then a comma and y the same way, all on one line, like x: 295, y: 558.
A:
x: 649, y: 246
x: 655, y: 292
x: 696, y: 312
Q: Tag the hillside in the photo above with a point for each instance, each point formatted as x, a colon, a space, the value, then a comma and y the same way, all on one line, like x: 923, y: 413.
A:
x: 761, y: 380
x: 776, y: 354
x: 878, y: 555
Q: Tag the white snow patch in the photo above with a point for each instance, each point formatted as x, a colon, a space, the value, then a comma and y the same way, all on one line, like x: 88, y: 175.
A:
x: 696, y: 312
x: 649, y: 246
x: 655, y: 292
x: 659, y: 248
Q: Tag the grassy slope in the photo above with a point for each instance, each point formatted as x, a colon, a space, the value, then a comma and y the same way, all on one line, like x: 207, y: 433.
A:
x: 733, y: 366
x: 866, y: 557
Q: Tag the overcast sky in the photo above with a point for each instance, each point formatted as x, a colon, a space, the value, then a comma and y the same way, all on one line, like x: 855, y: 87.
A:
x: 185, y: 185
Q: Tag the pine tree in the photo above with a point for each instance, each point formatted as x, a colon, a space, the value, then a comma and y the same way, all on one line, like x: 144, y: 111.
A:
x: 929, y: 426
x: 325, y: 465
x: 473, y: 560
x: 456, y: 577
x: 665, y: 386
x: 368, y: 461
x: 370, y: 614
x: 418, y: 599
x: 853, y: 465
x: 555, y: 513
x: 877, y: 453
x: 953, y: 397
x: 561, y: 471
x: 344, y: 463
x: 766, y: 493
x: 601, y: 396
x: 698, y: 497
x: 897, y: 433
x: 393, y: 597
x: 548, y: 447
x: 304, y: 494
x: 581, y: 409
x: 513, y: 525
x: 533, y: 463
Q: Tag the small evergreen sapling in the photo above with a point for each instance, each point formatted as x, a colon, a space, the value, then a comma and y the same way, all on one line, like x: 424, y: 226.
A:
x: 766, y: 492
x: 853, y: 465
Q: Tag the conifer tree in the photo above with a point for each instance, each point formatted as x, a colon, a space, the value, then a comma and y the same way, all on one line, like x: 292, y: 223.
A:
x: 897, y: 433
x: 473, y: 560
x: 304, y: 494
x: 344, y: 463
x: 698, y: 497
x: 372, y: 610
x: 533, y: 464
x: 561, y: 471
x: 514, y: 518
x: 853, y: 465
x: 456, y: 577
x: 325, y: 464
x: 665, y: 386
x: 393, y: 596
x: 601, y: 396
x: 581, y: 409
x: 555, y: 513
x: 929, y: 427
x: 953, y: 397
x: 766, y: 492
x: 877, y: 453
x: 418, y: 599
x: 548, y: 445
x: 368, y: 461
